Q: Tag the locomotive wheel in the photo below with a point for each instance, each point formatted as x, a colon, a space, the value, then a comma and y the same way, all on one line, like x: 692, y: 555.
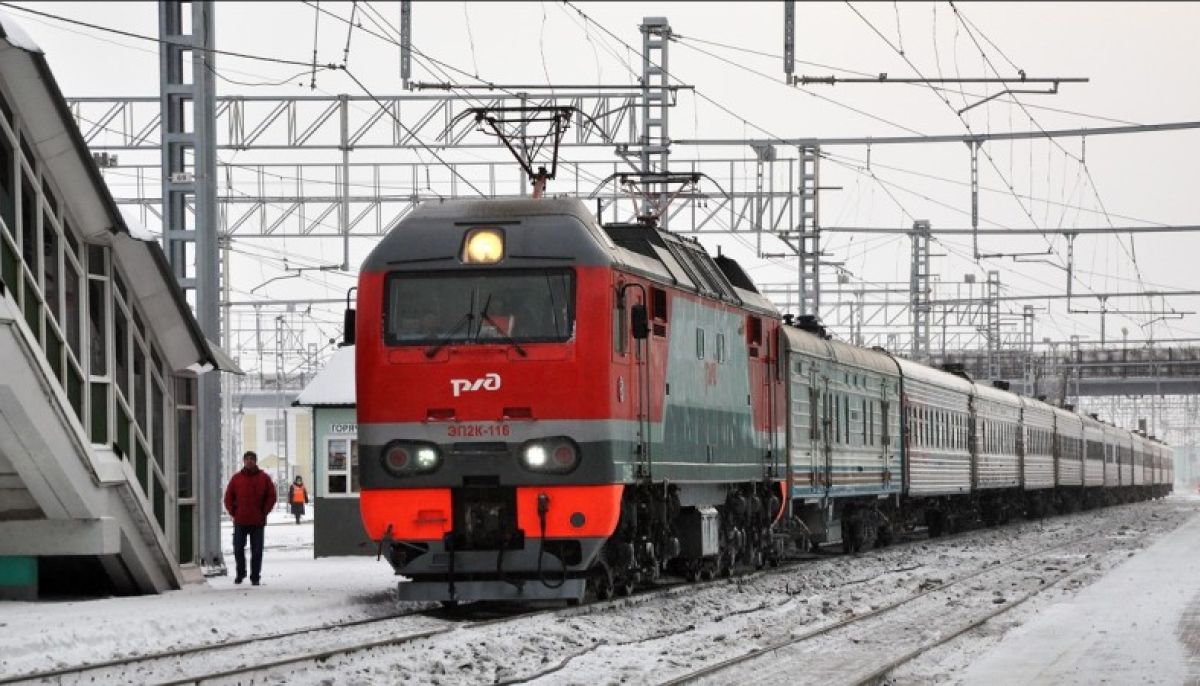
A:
x: 851, y: 538
x: 626, y: 585
x: 600, y: 581
x: 937, y: 525
x: 708, y: 570
x: 725, y: 565
x: 866, y: 536
x: 884, y: 537
x: 692, y: 572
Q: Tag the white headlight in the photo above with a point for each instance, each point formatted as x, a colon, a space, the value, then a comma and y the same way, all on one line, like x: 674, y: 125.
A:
x: 426, y: 458
x: 535, y: 456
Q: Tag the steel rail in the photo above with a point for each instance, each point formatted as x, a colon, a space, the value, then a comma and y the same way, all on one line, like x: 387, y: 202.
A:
x: 829, y: 628
x: 192, y: 650
x: 876, y: 675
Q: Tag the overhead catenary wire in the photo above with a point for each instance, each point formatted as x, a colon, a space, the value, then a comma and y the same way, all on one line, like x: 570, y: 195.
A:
x: 846, y: 70
x: 153, y: 39
x: 587, y: 25
x: 971, y: 30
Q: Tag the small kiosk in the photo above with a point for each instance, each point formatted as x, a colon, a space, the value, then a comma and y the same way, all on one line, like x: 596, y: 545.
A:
x: 337, y: 526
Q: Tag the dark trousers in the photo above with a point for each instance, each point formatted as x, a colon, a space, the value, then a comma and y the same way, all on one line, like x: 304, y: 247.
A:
x: 240, y: 532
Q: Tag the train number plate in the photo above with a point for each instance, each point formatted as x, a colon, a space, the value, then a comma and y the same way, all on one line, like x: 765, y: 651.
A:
x: 478, y: 431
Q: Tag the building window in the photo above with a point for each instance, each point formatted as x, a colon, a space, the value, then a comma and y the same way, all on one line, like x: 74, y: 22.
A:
x: 275, y: 430
x: 699, y: 344
x: 341, y: 466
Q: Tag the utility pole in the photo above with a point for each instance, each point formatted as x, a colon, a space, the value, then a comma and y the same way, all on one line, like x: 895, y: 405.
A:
x: 655, y: 140
x: 810, y: 231
x: 189, y: 177
x: 919, y: 290
x: 405, y: 43
x: 992, y: 306
x: 789, y: 40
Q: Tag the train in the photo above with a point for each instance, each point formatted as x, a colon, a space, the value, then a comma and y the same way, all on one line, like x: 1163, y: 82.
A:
x: 551, y: 408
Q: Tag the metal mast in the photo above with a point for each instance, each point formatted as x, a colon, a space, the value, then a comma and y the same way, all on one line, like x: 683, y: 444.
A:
x: 655, y: 141
x: 992, y: 305
x: 189, y: 177
x: 810, y: 231
x: 920, y: 289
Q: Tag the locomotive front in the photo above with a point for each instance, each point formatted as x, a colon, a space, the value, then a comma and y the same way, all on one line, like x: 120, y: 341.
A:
x: 488, y: 467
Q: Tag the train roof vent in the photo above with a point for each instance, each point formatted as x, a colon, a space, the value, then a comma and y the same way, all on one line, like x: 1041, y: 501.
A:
x: 958, y: 369
x: 1093, y: 415
x: 1002, y: 385
x: 700, y: 268
x: 810, y: 323
x: 1069, y: 407
x: 1041, y: 397
x: 634, y: 237
x: 734, y: 272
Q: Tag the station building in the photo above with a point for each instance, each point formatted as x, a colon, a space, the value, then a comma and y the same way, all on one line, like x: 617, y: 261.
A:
x: 337, y: 525
x: 280, y: 433
x: 99, y: 356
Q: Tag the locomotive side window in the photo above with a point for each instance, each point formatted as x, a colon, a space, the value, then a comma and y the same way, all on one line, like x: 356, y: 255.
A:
x: 428, y: 308
x: 658, y: 312
x: 620, y: 323
x: 754, y: 334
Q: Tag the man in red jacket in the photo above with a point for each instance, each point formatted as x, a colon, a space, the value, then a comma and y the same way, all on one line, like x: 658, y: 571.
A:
x: 249, y: 497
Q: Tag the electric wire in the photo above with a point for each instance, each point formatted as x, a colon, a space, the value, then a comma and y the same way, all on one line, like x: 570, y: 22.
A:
x: 152, y: 39
x: 972, y: 29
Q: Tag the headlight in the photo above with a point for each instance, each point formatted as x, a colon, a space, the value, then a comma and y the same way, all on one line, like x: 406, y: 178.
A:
x: 409, y: 458
x: 535, y: 456
x: 483, y: 246
x: 558, y: 455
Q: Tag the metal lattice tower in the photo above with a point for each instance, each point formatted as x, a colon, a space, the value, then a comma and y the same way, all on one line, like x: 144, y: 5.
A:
x: 992, y: 304
x: 189, y: 169
x: 810, y: 231
x: 655, y: 141
x: 1027, y: 348
x: 920, y: 289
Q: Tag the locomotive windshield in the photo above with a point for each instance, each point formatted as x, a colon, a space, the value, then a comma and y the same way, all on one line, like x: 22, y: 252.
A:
x: 430, y: 308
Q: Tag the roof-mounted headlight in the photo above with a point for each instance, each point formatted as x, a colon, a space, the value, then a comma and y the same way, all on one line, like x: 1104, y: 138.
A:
x: 483, y: 246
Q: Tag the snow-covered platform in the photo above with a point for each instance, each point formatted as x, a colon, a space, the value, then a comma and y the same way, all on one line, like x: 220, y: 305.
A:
x: 1140, y: 623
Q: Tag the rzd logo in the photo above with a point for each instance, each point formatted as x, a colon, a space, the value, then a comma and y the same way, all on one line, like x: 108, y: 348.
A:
x: 487, y: 382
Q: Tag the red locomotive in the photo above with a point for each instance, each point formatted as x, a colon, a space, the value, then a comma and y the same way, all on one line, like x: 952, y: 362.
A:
x: 548, y: 406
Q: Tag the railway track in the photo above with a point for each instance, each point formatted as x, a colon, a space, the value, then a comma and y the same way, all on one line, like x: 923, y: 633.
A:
x: 569, y: 659
x: 261, y: 653
x: 122, y: 666
x: 193, y: 664
x: 896, y: 633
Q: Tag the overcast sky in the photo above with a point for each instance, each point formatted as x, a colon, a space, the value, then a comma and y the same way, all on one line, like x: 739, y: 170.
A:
x: 1140, y: 58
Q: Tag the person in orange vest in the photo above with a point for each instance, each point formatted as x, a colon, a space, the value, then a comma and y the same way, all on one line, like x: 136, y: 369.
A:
x: 297, y: 497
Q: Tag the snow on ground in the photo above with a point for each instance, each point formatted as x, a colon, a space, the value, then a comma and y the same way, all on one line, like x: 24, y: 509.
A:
x: 297, y: 591
x: 641, y: 642
x: 1138, y: 623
